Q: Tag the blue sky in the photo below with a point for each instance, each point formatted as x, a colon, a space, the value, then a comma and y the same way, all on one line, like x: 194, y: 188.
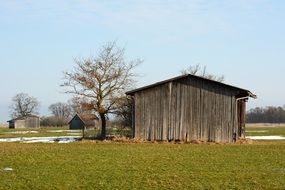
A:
x: 241, y: 39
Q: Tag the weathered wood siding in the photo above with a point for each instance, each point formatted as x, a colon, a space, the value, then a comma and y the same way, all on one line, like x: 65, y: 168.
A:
x: 25, y: 122
x: 32, y: 122
x: 20, y: 124
x: 187, y: 109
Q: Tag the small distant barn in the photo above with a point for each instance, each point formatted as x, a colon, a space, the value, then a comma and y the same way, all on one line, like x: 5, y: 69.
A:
x: 28, y: 121
x: 189, y: 108
x: 82, y: 122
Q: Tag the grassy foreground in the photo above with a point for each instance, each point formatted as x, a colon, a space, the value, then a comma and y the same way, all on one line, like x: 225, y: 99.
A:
x: 87, y: 165
x: 265, y: 129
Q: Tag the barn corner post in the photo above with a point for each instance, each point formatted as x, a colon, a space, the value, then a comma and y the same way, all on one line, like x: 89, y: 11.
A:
x: 133, y: 115
x: 241, y: 107
x: 241, y: 113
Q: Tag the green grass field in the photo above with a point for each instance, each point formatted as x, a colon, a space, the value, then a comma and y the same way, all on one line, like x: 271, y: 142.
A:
x: 85, y: 165
x: 265, y: 129
x: 37, y: 132
x: 109, y: 165
x: 56, y: 131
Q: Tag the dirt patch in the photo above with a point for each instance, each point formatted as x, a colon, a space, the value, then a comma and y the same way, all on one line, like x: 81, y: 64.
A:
x: 117, y: 139
x: 245, y: 141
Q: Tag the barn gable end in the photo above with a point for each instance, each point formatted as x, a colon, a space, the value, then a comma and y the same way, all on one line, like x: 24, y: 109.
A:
x: 82, y: 122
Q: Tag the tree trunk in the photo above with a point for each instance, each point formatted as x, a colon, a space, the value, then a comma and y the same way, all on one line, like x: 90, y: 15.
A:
x: 103, y: 126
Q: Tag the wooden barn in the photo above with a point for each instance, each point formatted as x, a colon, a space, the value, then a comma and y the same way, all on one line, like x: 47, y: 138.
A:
x: 189, y: 108
x: 82, y: 122
x: 29, y: 121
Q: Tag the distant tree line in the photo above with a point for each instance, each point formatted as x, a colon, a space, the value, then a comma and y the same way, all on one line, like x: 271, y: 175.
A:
x: 268, y: 114
x: 62, y: 112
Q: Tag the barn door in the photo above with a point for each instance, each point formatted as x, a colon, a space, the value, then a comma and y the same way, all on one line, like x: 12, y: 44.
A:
x: 241, y: 106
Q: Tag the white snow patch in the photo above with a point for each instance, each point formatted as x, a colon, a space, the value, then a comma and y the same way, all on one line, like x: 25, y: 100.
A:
x: 11, y: 139
x: 8, y: 169
x: 21, y: 132
x: 61, y: 131
x: 266, y: 137
x: 55, y: 131
x: 66, y: 141
x: 39, y: 141
x: 60, y: 139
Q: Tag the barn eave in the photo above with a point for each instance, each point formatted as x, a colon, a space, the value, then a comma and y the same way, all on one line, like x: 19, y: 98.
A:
x: 243, y: 92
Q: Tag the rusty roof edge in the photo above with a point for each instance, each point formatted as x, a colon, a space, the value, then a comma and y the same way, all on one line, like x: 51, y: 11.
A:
x: 184, y: 76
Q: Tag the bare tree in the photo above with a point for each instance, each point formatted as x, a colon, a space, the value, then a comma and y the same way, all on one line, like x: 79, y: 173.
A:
x: 77, y: 105
x: 202, y: 72
x: 102, y: 80
x: 124, y: 112
x: 51, y: 121
x: 60, y: 110
x: 23, y: 105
